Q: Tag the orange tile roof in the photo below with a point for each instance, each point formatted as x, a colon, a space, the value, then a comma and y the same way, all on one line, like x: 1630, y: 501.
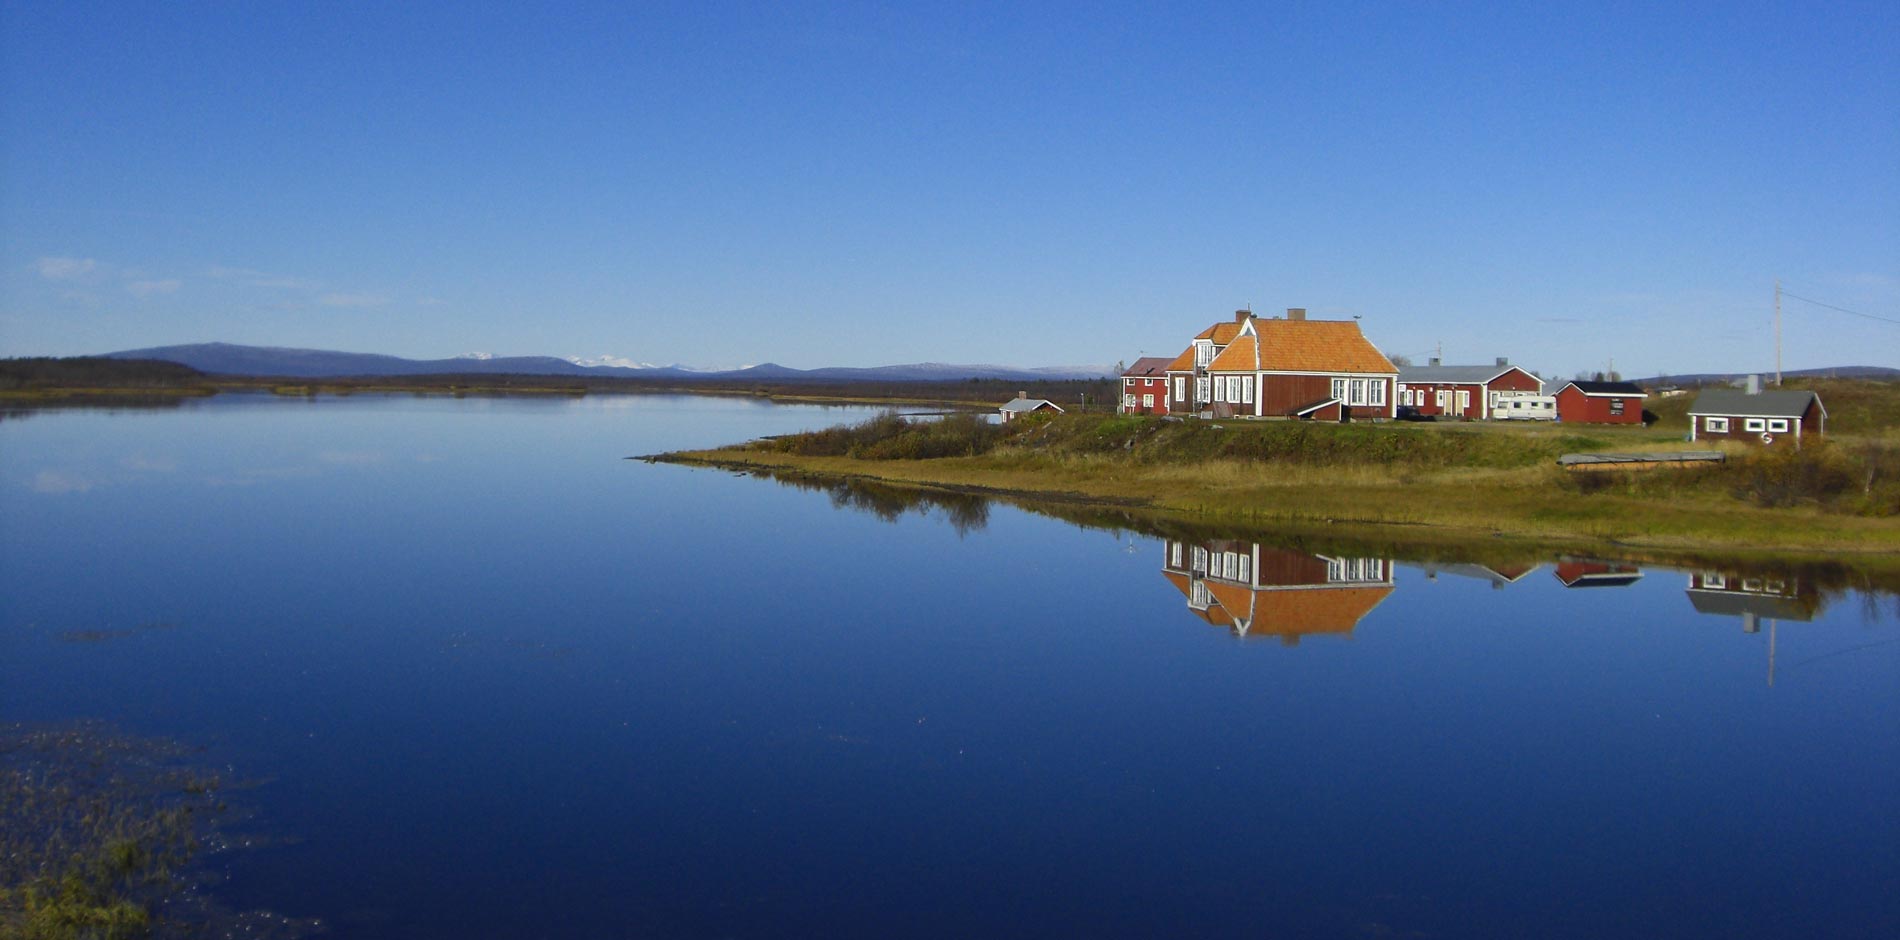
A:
x: 1184, y: 362
x: 1221, y: 333
x: 1303, y: 346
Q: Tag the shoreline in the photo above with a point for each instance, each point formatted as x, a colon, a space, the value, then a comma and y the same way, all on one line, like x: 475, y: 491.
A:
x: 1330, y: 511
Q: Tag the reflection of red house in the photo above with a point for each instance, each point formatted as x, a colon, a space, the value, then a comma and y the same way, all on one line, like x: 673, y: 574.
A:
x: 1254, y: 590
x: 1577, y: 573
x: 1145, y: 387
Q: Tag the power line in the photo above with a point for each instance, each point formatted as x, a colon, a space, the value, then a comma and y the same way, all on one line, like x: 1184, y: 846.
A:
x: 1855, y: 313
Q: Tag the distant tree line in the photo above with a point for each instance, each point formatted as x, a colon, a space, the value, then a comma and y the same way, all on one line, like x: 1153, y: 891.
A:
x: 96, y: 372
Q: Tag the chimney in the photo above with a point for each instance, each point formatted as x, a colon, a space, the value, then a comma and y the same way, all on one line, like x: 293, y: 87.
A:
x: 1022, y: 394
x: 1435, y: 361
x: 1242, y: 316
x: 1754, y: 385
x: 1296, y: 313
x: 1503, y: 361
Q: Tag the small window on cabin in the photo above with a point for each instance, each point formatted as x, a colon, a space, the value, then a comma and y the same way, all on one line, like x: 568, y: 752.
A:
x: 1616, y: 406
x: 1246, y: 390
x: 1147, y: 401
x: 1754, y: 424
x: 1715, y: 425
x: 1339, y: 389
x: 1778, y: 425
x: 1714, y: 581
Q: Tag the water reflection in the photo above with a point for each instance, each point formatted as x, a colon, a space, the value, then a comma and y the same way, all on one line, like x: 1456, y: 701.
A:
x: 1594, y: 573
x: 1256, y: 590
x: 1497, y: 575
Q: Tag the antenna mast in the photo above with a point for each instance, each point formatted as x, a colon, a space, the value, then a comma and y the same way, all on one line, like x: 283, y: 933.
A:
x: 1777, y: 332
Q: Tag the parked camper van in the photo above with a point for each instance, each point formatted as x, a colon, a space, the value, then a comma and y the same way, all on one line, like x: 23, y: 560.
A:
x: 1526, y: 408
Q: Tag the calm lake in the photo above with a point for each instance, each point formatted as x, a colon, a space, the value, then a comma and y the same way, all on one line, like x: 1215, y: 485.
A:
x: 489, y: 678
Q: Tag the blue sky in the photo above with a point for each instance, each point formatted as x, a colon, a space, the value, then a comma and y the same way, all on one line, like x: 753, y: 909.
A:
x: 866, y: 184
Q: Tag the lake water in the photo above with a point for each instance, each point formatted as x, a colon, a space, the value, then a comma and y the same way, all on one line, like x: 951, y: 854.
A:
x: 492, y: 679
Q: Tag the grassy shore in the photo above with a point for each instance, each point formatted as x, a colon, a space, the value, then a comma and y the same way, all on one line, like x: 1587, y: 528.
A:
x: 1445, y: 482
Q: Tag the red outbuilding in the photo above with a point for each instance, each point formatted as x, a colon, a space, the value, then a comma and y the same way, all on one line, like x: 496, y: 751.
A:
x: 1145, y: 387
x: 1600, y: 403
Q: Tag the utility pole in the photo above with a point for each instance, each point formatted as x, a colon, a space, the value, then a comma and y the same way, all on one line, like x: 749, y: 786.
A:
x: 1777, y: 332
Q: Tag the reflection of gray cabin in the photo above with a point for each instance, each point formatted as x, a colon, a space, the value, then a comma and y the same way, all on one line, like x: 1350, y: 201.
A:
x: 1022, y: 404
x: 1752, y: 597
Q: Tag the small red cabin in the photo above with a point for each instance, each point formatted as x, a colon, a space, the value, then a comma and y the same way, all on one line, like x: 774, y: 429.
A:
x: 1600, y: 403
x: 1145, y: 387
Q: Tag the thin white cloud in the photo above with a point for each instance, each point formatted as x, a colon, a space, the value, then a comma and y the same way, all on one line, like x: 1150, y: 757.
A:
x: 65, y: 269
x: 257, y: 278
x: 353, y: 299
x: 53, y: 481
x: 149, y: 288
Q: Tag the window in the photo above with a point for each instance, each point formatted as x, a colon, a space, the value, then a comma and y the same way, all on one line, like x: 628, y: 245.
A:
x: 1180, y: 388
x: 1616, y: 406
x: 1246, y: 390
x: 1200, y: 560
x: 1147, y: 401
x: 1464, y: 400
x: 1714, y: 580
x: 1715, y: 425
x: 1444, y: 398
x: 1220, y: 389
x: 1174, y: 554
x: 1200, y: 389
x: 1357, y: 390
x: 1246, y: 567
x: 1375, y: 393
x: 1199, y: 599
x: 1128, y: 383
x: 1129, y: 400
x: 1339, y: 389
x: 1778, y: 425
x: 1754, y: 424
x: 1203, y: 354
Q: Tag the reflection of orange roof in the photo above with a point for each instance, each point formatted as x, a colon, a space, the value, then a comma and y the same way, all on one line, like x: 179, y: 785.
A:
x: 1214, y: 614
x: 1303, y: 346
x: 1291, y: 614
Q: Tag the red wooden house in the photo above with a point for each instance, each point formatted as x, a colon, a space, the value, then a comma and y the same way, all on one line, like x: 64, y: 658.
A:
x: 1474, y: 392
x: 1292, y: 367
x: 1145, y: 387
x: 1600, y: 402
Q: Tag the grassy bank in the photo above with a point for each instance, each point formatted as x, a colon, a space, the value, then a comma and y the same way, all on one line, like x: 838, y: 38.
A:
x: 1457, y: 481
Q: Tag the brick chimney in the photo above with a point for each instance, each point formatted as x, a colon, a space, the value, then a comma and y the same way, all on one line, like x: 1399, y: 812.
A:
x: 1242, y: 316
x: 1296, y: 313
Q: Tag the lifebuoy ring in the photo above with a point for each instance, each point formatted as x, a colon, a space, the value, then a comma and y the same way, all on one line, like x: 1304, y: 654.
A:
x: 1767, y: 438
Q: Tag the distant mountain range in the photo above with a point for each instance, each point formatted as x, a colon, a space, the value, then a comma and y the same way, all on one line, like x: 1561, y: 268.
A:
x: 1880, y: 373
x: 231, y: 359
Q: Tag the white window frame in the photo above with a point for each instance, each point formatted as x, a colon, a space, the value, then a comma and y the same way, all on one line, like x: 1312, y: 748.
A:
x: 1755, y: 425
x: 1715, y: 425
x: 1200, y: 389
x: 1220, y: 390
x: 1128, y: 401
x: 1778, y: 425
x: 1375, y: 392
x: 1246, y: 390
x: 1174, y: 554
x: 1339, y: 389
x: 1147, y: 401
x: 1442, y: 398
x: 1180, y: 388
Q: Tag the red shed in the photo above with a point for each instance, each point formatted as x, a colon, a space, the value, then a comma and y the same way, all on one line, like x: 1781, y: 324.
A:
x: 1600, y: 403
x: 1145, y: 387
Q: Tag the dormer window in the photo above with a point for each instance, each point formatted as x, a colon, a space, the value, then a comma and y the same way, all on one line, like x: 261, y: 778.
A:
x: 1203, y: 354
